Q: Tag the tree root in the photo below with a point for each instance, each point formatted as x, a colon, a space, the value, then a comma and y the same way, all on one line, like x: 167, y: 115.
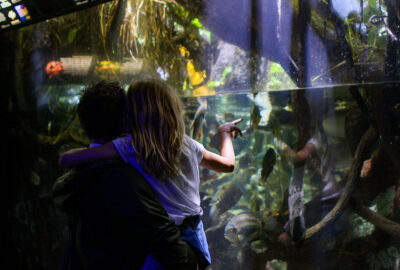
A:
x: 368, y: 138
x: 378, y: 220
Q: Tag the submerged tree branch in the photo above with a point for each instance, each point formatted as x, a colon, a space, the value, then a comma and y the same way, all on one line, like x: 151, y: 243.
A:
x: 368, y: 138
x: 378, y: 174
x: 378, y: 220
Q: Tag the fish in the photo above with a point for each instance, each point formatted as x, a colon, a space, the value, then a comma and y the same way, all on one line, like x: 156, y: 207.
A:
x: 255, y: 117
x: 247, y: 227
x: 267, y: 164
x: 196, y: 126
x: 226, y: 197
x: 244, y: 227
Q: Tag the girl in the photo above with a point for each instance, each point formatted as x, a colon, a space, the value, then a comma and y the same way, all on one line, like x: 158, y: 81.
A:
x: 156, y: 145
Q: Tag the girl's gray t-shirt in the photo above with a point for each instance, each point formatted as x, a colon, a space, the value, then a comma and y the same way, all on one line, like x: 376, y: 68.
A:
x: 180, y: 194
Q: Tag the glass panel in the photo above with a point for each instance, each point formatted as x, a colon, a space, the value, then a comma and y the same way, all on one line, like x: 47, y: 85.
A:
x: 316, y: 82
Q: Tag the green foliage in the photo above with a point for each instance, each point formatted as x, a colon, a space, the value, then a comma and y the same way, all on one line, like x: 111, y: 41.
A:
x: 72, y: 34
x: 221, y: 82
x: 372, y: 8
x: 196, y: 22
x: 178, y: 12
x: 278, y: 79
x: 275, y: 68
x: 376, y: 38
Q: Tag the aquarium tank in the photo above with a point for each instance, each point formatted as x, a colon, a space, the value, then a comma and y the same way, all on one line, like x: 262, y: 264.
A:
x: 316, y: 180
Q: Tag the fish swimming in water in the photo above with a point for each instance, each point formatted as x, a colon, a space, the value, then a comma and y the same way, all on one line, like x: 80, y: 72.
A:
x: 196, y: 126
x: 255, y: 116
x: 268, y: 164
x: 249, y: 226
x: 244, y: 227
x: 226, y: 197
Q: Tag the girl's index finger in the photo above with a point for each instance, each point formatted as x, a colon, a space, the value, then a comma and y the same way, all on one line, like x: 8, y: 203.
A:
x: 237, y: 121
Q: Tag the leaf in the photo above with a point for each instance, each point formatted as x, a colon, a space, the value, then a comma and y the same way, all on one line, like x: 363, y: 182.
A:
x: 197, y: 23
x: 225, y: 73
x: 72, y: 34
x: 276, y: 68
x: 213, y: 84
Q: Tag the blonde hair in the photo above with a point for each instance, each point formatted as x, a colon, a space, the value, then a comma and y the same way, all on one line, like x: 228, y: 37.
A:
x: 155, y: 121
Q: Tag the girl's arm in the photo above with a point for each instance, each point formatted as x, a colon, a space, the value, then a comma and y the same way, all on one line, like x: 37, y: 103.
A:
x: 225, y: 162
x: 76, y: 157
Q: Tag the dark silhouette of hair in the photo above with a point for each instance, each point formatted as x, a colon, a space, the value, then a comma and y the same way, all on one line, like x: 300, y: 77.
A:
x: 101, y: 110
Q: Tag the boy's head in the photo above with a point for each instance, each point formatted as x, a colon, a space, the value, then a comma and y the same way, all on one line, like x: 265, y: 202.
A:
x: 101, y: 110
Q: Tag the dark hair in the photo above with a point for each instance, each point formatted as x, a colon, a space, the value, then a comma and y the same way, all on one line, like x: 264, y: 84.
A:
x: 101, y: 110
